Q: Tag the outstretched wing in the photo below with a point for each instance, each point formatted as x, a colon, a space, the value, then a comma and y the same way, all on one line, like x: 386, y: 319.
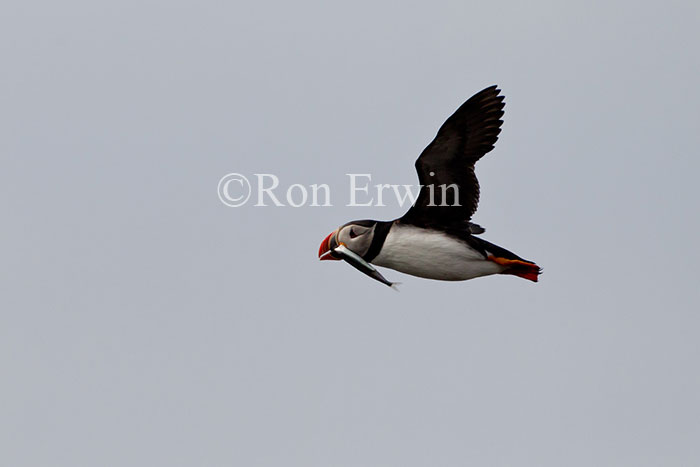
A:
x: 450, y: 191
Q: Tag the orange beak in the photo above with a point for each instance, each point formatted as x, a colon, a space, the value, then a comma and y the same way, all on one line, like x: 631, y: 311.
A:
x: 324, y: 251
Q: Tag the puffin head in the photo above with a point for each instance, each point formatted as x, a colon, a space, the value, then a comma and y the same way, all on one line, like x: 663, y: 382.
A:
x: 356, y: 236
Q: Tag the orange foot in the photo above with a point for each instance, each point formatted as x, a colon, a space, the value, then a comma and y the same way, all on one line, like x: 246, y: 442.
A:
x: 516, y: 267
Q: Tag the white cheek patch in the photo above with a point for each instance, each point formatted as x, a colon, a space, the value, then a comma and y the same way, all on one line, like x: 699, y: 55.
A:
x: 357, y: 238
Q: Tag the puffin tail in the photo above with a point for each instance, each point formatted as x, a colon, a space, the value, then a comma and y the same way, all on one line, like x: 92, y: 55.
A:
x: 516, y: 267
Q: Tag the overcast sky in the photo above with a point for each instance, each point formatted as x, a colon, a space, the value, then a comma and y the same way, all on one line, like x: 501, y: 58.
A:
x: 144, y: 323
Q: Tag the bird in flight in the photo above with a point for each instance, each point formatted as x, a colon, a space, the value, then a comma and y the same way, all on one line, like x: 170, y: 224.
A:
x: 436, y: 239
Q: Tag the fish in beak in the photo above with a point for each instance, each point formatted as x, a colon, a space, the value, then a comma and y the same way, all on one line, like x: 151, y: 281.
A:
x: 356, y: 261
x: 331, y: 250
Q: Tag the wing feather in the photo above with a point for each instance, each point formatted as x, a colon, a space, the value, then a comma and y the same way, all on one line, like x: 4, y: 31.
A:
x: 448, y: 161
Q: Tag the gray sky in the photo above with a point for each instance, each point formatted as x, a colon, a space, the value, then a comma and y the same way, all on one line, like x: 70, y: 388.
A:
x: 144, y: 323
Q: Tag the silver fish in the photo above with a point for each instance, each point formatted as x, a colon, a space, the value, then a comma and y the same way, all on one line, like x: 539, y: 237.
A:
x: 356, y: 261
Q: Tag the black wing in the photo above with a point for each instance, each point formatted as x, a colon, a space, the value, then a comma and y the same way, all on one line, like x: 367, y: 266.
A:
x: 449, y: 162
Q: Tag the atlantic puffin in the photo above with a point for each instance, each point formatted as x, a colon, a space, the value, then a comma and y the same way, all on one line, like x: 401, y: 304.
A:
x: 436, y: 239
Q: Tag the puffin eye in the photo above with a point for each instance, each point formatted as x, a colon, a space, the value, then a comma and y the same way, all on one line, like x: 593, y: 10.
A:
x: 352, y: 233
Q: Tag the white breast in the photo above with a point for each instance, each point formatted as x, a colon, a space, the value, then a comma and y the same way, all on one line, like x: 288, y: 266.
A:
x: 432, y: 254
